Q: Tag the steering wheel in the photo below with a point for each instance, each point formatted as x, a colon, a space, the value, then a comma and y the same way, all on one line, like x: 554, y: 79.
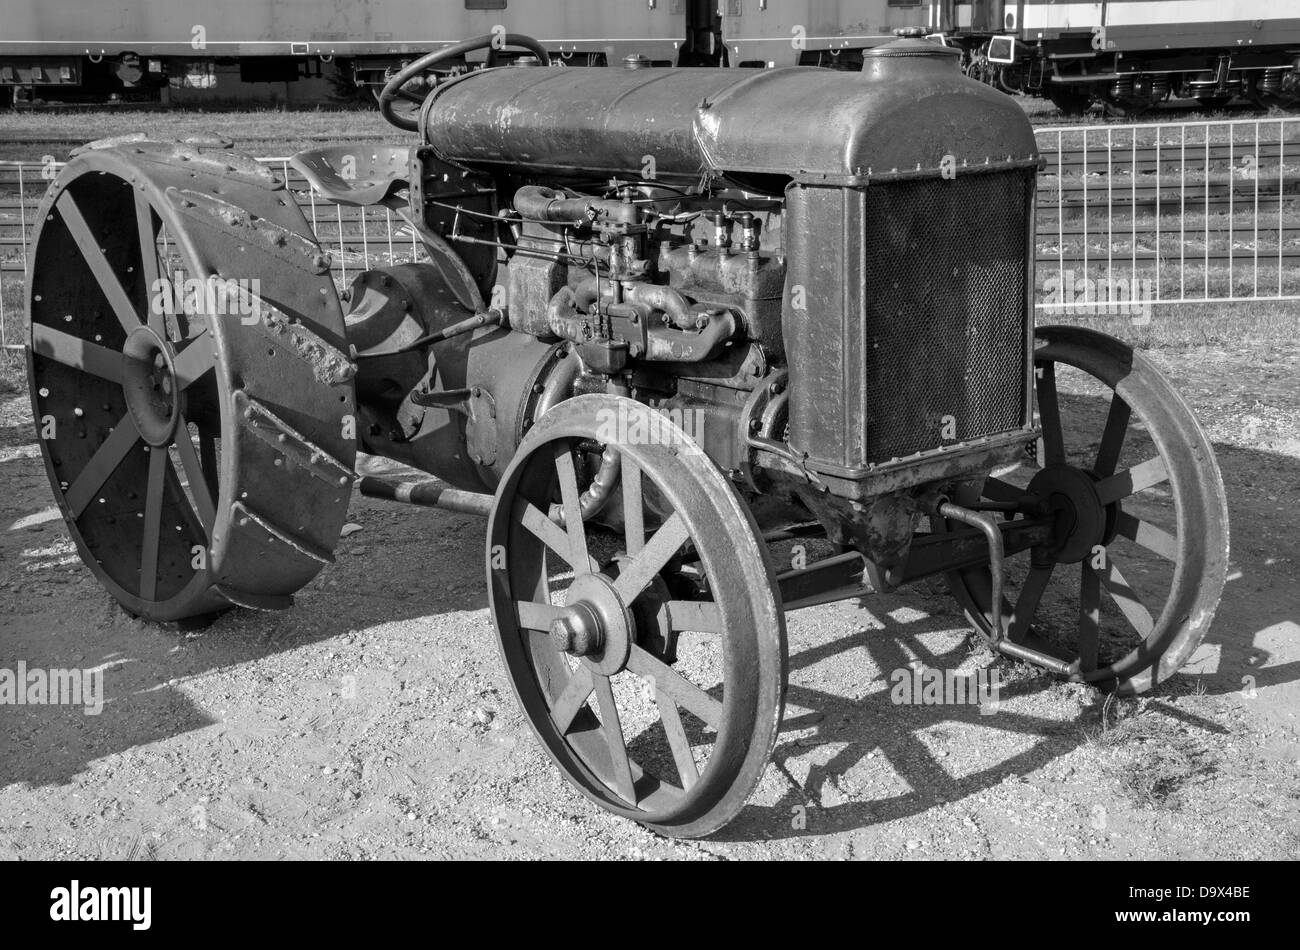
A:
x: 393, y: 88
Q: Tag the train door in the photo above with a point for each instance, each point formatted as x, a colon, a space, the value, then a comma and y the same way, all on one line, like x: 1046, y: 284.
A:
x: 703, y: 39
x: 942, y: 16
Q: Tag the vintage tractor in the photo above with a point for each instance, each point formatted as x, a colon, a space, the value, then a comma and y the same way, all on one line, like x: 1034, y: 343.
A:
x: 673, y: 321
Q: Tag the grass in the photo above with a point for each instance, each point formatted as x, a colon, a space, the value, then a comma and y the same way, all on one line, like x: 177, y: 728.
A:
x: 13, y: 372
x: 1155, y: 760
x: 26, y: 136
x: 1042, y: 112
x: 1272, y: 323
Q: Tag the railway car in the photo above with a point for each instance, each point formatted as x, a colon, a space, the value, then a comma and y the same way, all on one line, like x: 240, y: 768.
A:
x: 139, y: 49
x: 832, y: 33
x: 136, y: 48
x: 1129, y: 54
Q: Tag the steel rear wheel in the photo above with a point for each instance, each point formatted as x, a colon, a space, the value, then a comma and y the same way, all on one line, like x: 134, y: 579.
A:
x: 1129, y: 586
x: 197, y: 442
x: 649, y: 660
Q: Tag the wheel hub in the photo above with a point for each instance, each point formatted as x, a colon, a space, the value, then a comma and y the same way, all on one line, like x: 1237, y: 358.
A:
x: 1081, y: 518
x: 149, y: 384
x: 595, y: 625
x: 650, y: 612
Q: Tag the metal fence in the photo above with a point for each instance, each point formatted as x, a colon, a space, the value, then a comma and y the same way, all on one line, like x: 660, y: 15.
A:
x: 1129, y: 216
x: 1173, y: 213
x: 357, y: 238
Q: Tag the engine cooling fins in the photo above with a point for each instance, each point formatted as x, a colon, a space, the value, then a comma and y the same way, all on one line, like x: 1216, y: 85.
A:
x: 190, y: 377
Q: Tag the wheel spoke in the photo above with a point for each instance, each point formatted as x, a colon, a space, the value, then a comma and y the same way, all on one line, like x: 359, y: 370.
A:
x: 99, y: 266
x: 573, y: 524
x: 698, y: 616
x: 153, y: 502
x: 208, y: 461
x: 193, y: 361
x: 682, y: 691
x: 572, y: 698
x: 535, y: 616
x: 1154, y: 539
x: 1112, y: 439
x: 657, y: 552
x: 687, y: 770
x: 995, y: 489
x: 614, y: 739
x: 633, y: 509
x: 1049, y: 413
x: 1089, y: 618
x: 1031, y: 593
x: 194, y: 476
x: 547, y: 531
x: 78, y: 353
x: 102, y: 464
x: 144, y: 217
x: 1133, y: 480
x: 1127, y: 599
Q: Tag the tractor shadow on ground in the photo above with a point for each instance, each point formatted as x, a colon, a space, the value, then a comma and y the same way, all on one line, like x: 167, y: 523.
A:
x: 425, y: 564
x: 55, y: 616
x: 877, y: 727
x: 1258, y: 601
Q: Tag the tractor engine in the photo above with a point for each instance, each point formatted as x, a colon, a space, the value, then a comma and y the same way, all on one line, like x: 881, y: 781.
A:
x: 819, y: 275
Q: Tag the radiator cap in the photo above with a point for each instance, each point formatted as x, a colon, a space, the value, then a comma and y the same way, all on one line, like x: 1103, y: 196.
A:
x: 885, y: 59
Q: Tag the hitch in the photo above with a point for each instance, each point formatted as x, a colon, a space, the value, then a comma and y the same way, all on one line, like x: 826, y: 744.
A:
x: 998, y: 641
x: 984, y: 522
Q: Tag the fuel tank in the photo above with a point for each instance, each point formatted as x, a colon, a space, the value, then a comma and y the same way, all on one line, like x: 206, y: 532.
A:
x: 910, y: 110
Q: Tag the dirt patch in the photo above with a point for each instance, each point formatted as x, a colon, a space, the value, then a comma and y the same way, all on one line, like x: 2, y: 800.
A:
x: 375, y: 719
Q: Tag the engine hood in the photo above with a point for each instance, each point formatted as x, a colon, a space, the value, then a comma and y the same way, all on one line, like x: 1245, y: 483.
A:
x: 910, y: 111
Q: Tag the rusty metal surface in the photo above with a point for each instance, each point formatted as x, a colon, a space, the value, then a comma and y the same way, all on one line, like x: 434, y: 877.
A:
x: 246, y: 507
x: 900, y: 114
x: 623, y: 617
x: 1100, y: 500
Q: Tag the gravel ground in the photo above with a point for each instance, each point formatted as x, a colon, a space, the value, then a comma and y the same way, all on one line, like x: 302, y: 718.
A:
x: 375, y: 720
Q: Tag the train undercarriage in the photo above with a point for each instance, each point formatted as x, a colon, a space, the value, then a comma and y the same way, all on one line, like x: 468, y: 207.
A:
x: 1076, y: 77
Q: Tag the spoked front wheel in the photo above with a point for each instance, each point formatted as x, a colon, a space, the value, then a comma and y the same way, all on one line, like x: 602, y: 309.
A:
x: 1128, y: 585
x: 648, y: 659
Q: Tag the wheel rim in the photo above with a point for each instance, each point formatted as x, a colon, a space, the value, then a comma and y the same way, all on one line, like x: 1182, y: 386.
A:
x: 1129, y: 586
x: 674, y: 735
x: 137, y: 400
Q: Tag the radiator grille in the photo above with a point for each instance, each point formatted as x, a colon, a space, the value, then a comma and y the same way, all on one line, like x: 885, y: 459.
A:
x: 946, y: 310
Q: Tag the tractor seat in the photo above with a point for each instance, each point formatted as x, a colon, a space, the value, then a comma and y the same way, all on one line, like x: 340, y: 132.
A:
x: 356, y: 174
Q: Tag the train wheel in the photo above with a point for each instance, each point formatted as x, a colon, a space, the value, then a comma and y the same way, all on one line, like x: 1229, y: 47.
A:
x: 649, y: 661
x: 1070, y: 100
x: 1129, y: 585
x: 188, y: 379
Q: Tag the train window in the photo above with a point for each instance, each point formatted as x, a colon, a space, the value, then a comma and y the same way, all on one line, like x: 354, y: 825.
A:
x: 904, y: 3
x: 485, y: 4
